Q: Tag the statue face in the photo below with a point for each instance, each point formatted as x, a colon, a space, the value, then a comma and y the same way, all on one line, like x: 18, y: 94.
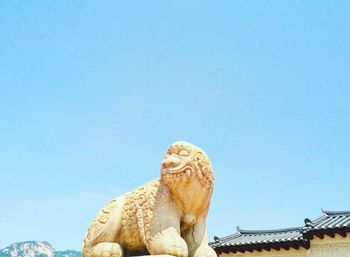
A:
x: 184, y: 160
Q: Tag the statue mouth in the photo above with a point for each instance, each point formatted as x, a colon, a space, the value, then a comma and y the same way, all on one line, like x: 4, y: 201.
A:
x: 188, y: 170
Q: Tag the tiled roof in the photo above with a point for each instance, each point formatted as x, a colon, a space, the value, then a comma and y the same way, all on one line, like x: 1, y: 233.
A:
x: 330, y: 223
x: 246, y: 237
x: 330, y: 220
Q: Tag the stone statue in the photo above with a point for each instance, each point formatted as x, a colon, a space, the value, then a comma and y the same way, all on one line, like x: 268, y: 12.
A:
x: 164, y: 217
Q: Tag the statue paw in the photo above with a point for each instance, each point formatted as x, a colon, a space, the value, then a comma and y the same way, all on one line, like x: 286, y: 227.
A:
x: 168, y: 242
x: 205, y: 252
x: 178, y: 251
x: 107, y: 249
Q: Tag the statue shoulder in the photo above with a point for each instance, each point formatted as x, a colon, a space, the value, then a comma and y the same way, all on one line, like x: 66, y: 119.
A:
x: 149, y: 191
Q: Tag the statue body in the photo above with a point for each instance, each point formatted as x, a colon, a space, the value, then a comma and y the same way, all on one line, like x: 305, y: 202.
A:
x: 164, y: 217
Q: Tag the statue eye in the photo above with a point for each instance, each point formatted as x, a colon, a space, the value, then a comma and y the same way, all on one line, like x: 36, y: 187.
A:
x: 184, y: 153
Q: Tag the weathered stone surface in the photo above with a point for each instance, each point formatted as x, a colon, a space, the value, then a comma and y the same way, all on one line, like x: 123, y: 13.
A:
x: 164, y: 217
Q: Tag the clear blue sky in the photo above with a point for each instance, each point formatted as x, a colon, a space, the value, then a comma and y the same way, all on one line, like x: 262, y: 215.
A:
x: 92, y: 93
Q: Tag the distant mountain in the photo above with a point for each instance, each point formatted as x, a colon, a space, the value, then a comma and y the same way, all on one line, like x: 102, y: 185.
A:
x: 35, y: 249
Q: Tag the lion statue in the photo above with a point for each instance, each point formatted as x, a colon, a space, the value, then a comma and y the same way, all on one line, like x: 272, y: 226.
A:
x: 164, y: 217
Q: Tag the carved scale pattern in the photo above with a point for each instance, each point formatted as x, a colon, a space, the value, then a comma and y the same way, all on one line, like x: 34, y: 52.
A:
x: 138, y: 214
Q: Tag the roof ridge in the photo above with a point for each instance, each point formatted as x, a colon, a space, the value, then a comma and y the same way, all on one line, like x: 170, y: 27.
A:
x: 268, y: 231
x: 331, y: 213
x: 229, y: 237
x: 326, y: 214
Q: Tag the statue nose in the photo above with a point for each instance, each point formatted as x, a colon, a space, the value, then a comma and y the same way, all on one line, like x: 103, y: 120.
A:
x: 171, y: 161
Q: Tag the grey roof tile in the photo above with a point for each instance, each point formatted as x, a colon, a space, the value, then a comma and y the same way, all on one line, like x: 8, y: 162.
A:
x: 331, y: 219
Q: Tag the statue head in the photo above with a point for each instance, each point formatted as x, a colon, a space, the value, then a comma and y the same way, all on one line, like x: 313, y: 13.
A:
x: 185, y: 163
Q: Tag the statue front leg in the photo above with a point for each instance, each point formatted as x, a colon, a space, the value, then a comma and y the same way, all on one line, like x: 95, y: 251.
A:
x: 204, y: 250
x: 197, y: 240
x: 168, y: 242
